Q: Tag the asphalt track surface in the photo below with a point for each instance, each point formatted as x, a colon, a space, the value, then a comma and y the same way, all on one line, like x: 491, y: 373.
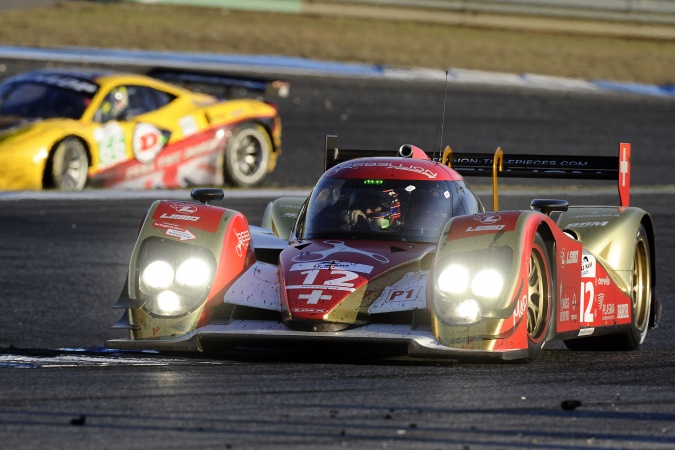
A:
x: 63, y: 263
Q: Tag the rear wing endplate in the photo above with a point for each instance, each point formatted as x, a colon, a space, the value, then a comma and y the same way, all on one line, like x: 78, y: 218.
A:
x: 500, y: 164
x: 194, y: 79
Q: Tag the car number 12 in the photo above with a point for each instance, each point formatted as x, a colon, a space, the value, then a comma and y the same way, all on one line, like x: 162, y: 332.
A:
x: 586, y: 310
x: 342, y: 281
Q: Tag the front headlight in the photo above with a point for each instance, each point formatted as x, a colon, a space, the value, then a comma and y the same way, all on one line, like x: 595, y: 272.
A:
x: 157, y: 275
x: 454, y: 279
x: 487, y: 283
x: 193, y: 273
x: 168, y: 302
x: 173, y: 278
x: 468, y: 283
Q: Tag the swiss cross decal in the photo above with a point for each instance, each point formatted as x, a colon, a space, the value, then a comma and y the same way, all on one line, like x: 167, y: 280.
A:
x: 624, y: 174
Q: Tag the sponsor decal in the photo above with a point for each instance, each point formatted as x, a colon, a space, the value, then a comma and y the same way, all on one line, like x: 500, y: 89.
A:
x: 330, y: 265
x: 593, y: 214
x: 484, y: 223
x: 622, y: 311
x: 244, y: 238
x: 486, y: 228
x: 524, y: 162
x: 407, y: 167
x: 521, y: 308
x: 174, y: 231
x: 147, y: 142
x: 571, y: 257
x: 489, y: 220
x: 393, y: 294
x: 564, y: 309
x: 188, y: 125
x: 608, y: 311
x: 205, y: 218
x: 588, y: 266
x: 184, y: 209
x: 179, y: 217
x: 587, y: 224
x: 489, y: 223
x: 65, y: 82
x: 308, y: 310
x: 201, y: 148
x: 338, y: 247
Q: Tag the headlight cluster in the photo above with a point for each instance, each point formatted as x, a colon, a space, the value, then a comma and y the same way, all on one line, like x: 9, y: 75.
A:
x: 467, y: 283
x: 173, y: 280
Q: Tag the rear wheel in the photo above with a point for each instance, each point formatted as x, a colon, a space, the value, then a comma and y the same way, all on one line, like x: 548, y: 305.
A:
x: 641, y: 302
x: 247, y: 156
x: 68, y: 166
x: 538, y: 298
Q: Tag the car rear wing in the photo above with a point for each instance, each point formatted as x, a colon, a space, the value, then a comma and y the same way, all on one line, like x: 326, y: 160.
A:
x: 228, y: 85
x: 500, y: 164
x: 515, y: 165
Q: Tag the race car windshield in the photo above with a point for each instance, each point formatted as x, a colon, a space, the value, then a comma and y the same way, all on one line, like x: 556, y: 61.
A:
x: 399, y: 210
x: 31, y: 99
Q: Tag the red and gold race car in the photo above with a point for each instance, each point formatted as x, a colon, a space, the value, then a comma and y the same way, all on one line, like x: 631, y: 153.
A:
x: 393, y: 252
x: 66, y: 129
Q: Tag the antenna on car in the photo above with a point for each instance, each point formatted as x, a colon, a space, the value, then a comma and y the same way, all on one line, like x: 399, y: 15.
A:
x: 445, y: 100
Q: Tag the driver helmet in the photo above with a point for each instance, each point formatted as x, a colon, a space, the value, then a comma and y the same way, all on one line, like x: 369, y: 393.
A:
x: 118, y: 102
x: 382, y: 209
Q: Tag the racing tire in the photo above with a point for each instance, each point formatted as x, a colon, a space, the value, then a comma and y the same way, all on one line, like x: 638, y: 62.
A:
x: 68, y: 166
x: 538, y: 298
x: 247, y: 156
x: 641, y: 300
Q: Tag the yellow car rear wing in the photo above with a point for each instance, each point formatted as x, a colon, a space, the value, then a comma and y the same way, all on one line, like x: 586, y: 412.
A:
x: 228, y: 84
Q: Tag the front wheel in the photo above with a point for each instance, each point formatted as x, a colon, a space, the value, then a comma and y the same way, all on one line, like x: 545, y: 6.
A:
x: 538, y: 298
x: 68, y: 166
x: 247, y: 156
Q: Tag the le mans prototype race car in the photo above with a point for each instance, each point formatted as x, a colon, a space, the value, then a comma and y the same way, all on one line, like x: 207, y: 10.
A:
x: 393, y: 249
x: 66, y: 128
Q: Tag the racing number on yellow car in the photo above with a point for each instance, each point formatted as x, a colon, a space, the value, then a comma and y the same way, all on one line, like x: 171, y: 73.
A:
x: 111, y: 145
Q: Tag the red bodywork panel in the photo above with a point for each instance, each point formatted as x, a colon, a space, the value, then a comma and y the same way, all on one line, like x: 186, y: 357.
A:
x: 319, y: 275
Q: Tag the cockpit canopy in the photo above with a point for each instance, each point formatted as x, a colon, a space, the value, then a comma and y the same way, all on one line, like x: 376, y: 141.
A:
x: 384, y: 209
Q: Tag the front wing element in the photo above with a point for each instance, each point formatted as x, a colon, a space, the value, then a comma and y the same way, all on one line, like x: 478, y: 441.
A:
x: 252, y: 333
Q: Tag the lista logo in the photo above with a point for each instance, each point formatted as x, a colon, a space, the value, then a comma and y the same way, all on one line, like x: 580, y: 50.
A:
x: 488, y: 223
x: 486, y: 228
x: 489, y: 220
x: 184, y: 209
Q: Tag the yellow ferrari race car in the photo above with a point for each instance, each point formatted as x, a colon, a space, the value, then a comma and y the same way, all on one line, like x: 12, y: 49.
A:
x: 67, y: 129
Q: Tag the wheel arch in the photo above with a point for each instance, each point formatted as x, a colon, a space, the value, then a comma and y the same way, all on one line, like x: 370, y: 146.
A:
x: 269, y: 124
x: 546, y: 233
x: 655, y: 310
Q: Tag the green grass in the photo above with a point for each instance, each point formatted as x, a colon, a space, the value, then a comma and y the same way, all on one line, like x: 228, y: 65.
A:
x: 395, y: 43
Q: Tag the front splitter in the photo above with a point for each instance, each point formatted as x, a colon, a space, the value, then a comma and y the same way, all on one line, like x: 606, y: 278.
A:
x: 418, y: 343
